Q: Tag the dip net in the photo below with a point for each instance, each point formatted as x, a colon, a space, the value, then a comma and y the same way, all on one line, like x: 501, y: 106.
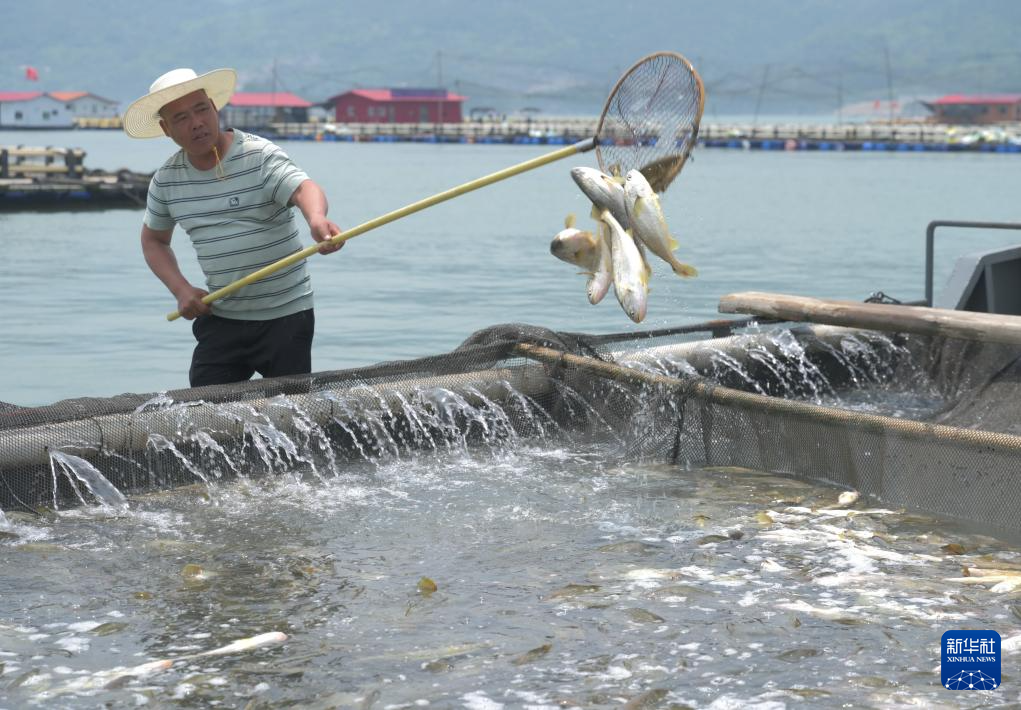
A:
x: 920, y: 423
x: 651, y: 118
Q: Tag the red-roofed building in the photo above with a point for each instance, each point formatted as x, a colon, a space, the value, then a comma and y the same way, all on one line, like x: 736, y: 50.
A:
x: 977, y: 109
x: 33, y: 109
x: 397, y: 106
x: 83, y: 104
x: 260, y: 109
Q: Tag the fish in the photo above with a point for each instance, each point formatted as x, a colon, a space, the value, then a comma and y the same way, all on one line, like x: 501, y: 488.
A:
x: 426, y: 586
x: 649, y: 699
x: 589, y: 252
x: 571, y: 591
x: 107, y: 679
x: 630, y: 270
x: 428, y: 654
x: 847, y: 498
x: 576, y: 246
x: 605, y: 192
x: 989, y: 572
x: 1007, y: 585
x: 648, y: 224
x: 533, y: 655
x: 602, y: 276
x: 247, y: 644
x: 116, y: 676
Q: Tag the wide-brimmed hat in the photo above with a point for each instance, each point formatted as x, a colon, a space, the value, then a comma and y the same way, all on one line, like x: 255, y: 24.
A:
x: 142, y: 119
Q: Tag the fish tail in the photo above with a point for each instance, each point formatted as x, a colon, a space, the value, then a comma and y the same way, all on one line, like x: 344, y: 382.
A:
x: 684, y: 270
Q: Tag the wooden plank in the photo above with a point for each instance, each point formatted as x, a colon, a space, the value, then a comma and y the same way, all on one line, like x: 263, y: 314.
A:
x: 16, y: 168
x: 985, y: 327
x: 37, y: 152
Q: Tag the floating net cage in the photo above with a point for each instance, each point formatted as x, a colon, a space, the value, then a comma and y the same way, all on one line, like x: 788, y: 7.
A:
x: 921, y: 423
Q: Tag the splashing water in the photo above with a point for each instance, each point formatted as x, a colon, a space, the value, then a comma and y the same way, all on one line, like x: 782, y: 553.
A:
x: 77, y: 470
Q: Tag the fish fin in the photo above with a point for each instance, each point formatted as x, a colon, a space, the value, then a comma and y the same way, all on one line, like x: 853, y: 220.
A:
x: 684, y: 270
x: 671, y: 242
x: 596, y: 212
x: 569, y: 221
x: 639, y: 206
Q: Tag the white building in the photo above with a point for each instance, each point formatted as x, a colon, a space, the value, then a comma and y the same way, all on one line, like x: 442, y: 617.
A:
x: 33, y: 109
x: 82, y: 104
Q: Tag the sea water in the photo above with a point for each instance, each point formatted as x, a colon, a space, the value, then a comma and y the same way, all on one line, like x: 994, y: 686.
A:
x: 536, y: 575
x: 538, y: 572
x: 81, y: 314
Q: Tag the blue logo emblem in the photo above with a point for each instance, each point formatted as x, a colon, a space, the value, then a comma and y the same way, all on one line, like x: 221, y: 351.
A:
x: 234, y: 202
x: 970, y: 660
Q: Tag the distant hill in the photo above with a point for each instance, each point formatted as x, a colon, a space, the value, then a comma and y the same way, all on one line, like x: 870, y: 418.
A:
x: 769, y: 56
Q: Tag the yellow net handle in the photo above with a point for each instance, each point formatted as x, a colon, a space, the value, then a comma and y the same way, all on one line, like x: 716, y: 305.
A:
x: 579, y: 147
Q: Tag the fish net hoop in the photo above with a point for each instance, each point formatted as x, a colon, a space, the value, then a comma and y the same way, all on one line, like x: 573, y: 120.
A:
x: 651, y: 118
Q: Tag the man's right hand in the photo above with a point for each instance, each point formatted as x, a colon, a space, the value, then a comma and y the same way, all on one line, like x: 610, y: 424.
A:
x: 190, y: 304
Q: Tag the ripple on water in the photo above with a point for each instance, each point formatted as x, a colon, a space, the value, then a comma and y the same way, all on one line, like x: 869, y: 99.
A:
x: 561, y: 579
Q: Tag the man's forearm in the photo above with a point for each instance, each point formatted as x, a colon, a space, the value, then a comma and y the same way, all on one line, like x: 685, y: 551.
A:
x: 311, y: 200
x: 162, y: 262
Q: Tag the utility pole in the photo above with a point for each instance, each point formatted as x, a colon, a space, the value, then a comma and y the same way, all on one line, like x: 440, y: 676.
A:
x: 889, y: 78
x: 439, y: 85
x: 273, y: 96
x: 840, y: 97
x: 762, y: 90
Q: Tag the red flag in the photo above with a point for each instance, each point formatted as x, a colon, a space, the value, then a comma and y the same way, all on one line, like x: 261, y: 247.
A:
x: 31, y: 74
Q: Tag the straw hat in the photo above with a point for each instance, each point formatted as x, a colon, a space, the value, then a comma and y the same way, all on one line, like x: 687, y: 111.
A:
x: 142, y: 119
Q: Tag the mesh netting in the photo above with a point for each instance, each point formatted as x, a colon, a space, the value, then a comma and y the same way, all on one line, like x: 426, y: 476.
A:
x: 789, y: 401
x: 650, y: 121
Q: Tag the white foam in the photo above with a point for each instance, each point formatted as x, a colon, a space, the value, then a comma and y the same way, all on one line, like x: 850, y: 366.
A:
x: 477, y: 700
x: 73, y: 644
x: 729, y: 702
x: 84, y: 626
x: 749, y: 599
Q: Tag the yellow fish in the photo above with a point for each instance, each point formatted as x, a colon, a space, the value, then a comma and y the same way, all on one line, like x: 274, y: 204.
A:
x: 648, y: 223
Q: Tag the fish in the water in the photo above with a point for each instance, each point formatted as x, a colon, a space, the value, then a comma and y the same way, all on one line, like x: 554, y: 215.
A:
x: 106, y: 679
x: 648, y: 224
x: 246, y: 644
x: 605, y: 192
x: 630, y: 271
x: 110, y: 678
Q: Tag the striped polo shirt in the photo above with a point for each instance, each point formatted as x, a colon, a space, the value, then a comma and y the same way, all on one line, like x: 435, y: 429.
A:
x: 238, y: 222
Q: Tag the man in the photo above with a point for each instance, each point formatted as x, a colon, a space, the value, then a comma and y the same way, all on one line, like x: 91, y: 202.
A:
x: 232, y: 193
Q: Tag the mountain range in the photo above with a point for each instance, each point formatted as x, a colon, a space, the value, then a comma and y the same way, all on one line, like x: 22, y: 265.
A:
x: 560, y: 57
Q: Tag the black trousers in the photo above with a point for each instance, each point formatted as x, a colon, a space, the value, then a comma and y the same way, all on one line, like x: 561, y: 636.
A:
x: 231, y: 350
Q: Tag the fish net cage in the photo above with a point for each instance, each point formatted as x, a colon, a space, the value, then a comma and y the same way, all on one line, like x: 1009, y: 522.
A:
x: 927, y: 424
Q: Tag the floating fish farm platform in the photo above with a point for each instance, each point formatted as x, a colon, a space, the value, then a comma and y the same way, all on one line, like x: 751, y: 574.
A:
x: 557, y: 131
x: 56, y: 178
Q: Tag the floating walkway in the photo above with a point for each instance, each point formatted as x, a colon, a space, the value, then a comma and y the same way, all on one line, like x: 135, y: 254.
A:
x: 888, y: 145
